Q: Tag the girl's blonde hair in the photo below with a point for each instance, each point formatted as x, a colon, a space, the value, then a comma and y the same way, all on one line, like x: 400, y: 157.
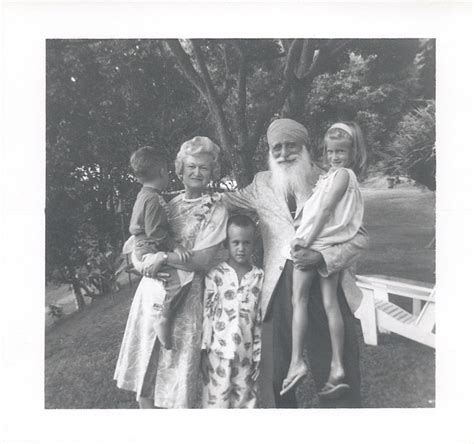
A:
x: 199, y: 145
x: 350, y: 131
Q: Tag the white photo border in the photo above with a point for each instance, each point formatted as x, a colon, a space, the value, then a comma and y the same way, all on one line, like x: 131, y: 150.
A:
x: 26, y: 28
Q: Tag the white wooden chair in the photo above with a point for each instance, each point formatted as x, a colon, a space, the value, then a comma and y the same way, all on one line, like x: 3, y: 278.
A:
x: 378, y: 314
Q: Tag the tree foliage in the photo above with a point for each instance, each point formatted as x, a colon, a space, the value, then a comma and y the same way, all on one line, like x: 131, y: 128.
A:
x: 246, y: 83
x: 413, y: 149
x: 105, y: 98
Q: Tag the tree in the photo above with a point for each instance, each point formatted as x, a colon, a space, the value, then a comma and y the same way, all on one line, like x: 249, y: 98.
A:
x: 281, y: 71
x: 104, y: 100
x: 356, y: 92
x: 244, y: 83
x: 413, y: 149
x: 425, y: 64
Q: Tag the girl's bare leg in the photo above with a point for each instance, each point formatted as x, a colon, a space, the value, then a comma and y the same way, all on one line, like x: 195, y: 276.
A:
x: 301, y: 286
x: 336, y: 326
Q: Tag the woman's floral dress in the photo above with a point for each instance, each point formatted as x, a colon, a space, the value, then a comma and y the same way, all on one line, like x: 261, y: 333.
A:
x: 171, y: 377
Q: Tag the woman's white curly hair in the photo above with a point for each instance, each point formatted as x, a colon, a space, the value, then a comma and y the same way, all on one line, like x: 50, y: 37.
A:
x: 199, y: 145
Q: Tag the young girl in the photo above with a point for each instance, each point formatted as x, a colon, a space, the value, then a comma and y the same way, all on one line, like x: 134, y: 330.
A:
x: 332, y: 215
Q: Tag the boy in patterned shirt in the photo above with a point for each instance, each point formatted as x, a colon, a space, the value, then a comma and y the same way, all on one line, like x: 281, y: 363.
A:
x: 231, y: 343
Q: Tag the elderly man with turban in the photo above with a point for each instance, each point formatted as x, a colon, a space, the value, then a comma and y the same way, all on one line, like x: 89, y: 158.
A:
x: 278, y: 196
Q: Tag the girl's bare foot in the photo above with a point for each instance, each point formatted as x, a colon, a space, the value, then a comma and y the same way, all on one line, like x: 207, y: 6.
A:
x: 335, y: 386
x: 336, y: 375
x: 295, y: 374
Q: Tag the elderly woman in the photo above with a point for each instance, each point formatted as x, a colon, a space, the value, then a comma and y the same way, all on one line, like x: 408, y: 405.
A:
x: 170, y: 378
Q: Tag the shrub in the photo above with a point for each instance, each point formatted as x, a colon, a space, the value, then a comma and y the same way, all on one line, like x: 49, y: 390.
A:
x: 413, y: 149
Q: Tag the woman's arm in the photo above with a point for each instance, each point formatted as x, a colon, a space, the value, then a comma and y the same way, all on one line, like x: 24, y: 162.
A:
x: 199, y: 261
x: 329, y: 203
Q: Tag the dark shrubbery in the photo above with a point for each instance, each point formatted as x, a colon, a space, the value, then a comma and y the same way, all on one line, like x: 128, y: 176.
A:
x: 413, y: 149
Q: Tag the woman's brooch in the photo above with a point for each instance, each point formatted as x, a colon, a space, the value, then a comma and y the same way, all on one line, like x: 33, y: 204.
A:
x: 204, y: 210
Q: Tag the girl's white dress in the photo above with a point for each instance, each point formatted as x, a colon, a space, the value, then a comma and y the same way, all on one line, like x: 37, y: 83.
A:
x: 346, y: 219
x: 172, y: 377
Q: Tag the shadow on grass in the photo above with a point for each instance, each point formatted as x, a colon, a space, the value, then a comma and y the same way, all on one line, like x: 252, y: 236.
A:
x: 81, y: 352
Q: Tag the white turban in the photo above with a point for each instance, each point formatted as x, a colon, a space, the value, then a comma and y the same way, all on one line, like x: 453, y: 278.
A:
x: 282, y: 130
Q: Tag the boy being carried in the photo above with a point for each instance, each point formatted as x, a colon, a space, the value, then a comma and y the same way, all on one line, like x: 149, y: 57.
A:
x: 151, y: 233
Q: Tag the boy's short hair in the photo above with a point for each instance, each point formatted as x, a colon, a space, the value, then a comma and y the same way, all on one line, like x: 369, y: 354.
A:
x: 242, y: 221
x: 144, y: 160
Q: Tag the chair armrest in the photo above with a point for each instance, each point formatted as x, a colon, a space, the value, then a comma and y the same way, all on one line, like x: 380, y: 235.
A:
x: 423, y: 291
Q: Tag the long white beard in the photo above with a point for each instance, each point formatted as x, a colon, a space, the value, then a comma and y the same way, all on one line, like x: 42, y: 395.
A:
x: 294, y: 177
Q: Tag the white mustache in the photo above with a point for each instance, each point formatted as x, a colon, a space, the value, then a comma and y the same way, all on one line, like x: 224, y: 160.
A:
x: 289, y: 158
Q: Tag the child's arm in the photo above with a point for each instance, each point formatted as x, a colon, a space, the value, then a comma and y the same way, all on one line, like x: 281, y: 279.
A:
x: 157, y: 228
x: 155, y: 220
x: 334, y: 195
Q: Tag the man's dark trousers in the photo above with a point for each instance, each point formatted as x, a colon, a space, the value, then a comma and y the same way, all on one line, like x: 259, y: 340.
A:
x: 277, y: 345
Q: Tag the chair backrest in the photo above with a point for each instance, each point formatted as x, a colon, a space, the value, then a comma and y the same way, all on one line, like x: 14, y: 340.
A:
x: 426, y: 319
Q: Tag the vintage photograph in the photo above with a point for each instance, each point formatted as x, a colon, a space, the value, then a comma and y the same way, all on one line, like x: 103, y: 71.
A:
x: 240, y: 223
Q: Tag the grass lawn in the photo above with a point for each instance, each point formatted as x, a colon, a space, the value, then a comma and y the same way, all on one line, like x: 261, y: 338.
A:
x: 401, y: 223
x: 81, y: 349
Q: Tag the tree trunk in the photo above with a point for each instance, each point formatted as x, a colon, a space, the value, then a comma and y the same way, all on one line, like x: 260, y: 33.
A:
x: 303, y: 62
x: 300, y: 70
x: 294, y: 106
x: 306, y: 59
x: 243, y: 174
x: 203, y: 83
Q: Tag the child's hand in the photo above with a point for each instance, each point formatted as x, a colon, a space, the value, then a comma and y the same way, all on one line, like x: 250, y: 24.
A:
x: 153, y: 269
x: 183, y: 253
x: 205, y: 366
x: 298, y: 243
x: 255, y: 371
